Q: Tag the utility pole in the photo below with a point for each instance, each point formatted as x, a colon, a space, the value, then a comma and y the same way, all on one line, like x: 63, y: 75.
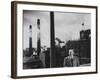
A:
x: 52, y: 53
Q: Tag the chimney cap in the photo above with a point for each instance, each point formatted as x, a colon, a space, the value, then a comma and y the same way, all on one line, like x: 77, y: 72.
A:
x: 30, y: 26
x: 38, y: 21
x: 83, y: 24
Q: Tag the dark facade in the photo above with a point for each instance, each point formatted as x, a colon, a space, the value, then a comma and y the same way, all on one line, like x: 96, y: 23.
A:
x: 85, y: 34
x: 81, y: 47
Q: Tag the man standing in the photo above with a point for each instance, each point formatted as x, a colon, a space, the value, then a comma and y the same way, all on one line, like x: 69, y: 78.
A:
x: 71, y: 60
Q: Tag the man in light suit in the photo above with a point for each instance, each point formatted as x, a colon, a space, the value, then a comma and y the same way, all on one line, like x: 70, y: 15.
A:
x: 71, y: 60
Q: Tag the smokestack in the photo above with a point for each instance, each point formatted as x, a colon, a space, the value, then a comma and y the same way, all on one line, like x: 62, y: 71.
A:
x: 30, y: 41
x: 38, y: 38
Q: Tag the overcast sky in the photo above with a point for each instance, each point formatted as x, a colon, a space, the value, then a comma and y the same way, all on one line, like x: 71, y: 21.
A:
x: 67, y: 26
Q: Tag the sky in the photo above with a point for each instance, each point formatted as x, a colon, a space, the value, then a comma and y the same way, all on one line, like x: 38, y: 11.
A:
x: 67, y: 26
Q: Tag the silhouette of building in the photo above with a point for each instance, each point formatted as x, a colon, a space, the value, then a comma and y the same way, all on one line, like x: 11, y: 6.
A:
x: 85, y: 34
x: 82, y: 47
